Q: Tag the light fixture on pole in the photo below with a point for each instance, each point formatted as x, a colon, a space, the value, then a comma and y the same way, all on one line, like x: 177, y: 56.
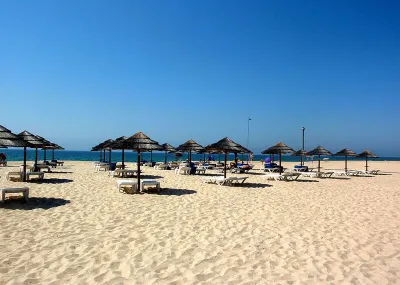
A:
x: 302, y: 157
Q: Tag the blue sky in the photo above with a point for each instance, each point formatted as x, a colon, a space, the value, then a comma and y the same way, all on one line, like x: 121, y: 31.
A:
x: 80, y: 72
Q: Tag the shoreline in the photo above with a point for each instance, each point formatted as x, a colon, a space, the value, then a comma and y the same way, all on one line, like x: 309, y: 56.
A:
x: 78, y: 229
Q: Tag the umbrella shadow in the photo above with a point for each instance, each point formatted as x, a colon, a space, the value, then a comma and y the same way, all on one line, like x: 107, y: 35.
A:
x: 33, y: 203
x: 63, y: 172
x: 52, y: 181
x: 171, y: 192
x: 338, y: 178
x: 251, y: 185
x: 150, y: 176
x: 303, y: 180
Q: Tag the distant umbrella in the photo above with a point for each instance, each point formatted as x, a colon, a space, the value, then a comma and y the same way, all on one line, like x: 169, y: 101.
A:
x: 345, y: 152
x: 114, y: 144
x: 190, y: 146
x: 226, y: 145
x: 167, y: 148
x: 35, y: 141
x: 56, y: 146
x: 8, y: 139
x: 319, y: 150
x: 300, y: 153
x: 280, y: 148
x: 103, y: 146
x: 138, y: 142
x: 47, y: 145
x: 367, y: 154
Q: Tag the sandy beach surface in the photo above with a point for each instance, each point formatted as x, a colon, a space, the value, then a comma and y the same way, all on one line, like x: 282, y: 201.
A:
x: 78, y: 229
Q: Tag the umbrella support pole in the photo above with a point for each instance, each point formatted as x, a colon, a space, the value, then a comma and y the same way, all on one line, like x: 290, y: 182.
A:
x: 44, y: 155
x: 345, y: 163
x: 52, y: 154
x: 24, y: 172
x: 138, y: 168
x: 366, y: 164
x: 280, y: 163
x: 36, y: 155
x: 319, y: 163
x: 123, y: 159
x: 104, y: 155
x: 109, y: 155
x: 225, y: 165
x: 165, y: 157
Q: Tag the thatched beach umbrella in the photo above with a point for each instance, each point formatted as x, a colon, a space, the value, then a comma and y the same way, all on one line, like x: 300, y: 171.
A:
x: 345, y: 152
x: 280, y: 148
x: 35, y: 141
x: 8, y: 139
x: 103, y: 146
x: 55, y: 146
x: 367, y: 154
x: 138, y: 142
x: 319, y: 150
x: 108, y: 145
x: 167, y: 148
x: 300, y: 153
x: 47, y: 145
x: 225, y: 145
x: 116, y: 143
x: 190, y: 146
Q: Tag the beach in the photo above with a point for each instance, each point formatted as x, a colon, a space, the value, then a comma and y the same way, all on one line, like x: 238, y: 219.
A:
x: 77, y: 228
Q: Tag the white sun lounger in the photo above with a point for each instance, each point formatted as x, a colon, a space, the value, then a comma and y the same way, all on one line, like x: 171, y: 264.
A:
x: 23, y: 190
x: 122, y: 183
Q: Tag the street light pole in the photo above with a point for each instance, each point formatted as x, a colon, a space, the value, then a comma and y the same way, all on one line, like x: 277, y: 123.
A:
x: 302, y: 157
x: 248, y: 132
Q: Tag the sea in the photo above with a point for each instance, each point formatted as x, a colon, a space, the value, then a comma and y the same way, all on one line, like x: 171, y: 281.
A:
x: 116, y: 156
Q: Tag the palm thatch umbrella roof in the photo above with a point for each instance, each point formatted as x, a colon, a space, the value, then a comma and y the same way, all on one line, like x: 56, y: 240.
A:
x: 167, y: 148
x: 8, y: 139
x: 345, y: 152
x: 226, y: 145
x: 367, y: 154
x: 113, y: 144
x: 138, y: 142
x: 319, y: 150
x: 190, y: 146
x: 280, y: 148
x: 35, y: 141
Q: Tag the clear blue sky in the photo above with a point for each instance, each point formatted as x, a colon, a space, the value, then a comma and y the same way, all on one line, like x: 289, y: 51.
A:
x: 80, y: 72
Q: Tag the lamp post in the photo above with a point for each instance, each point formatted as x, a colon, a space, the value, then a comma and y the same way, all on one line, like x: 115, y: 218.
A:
x: 248, y: 137
x: 302, y: 157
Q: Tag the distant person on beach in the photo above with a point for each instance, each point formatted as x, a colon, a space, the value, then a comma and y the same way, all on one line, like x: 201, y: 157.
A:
x: 3, y: 157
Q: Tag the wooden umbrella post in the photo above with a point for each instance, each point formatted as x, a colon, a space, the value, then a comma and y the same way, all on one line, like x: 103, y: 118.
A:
x: 44, y: 154
x: 319, y: 163
x: 366, y: 163
x: 123, y: 159
x: 280, y: 163
x: 225, y: 164
x: 52, y: 154
x: 138, y: 168
x: 24, y: 172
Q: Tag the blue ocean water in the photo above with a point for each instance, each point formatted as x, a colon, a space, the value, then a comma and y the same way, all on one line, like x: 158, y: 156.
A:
x: 18, y: 155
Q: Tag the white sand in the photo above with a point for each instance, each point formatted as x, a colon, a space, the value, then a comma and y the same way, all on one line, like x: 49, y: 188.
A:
x: 78, y: 229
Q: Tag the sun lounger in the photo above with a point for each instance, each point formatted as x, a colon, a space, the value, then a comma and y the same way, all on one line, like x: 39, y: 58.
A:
x: 3, y: 163
x: 211, y: 179
x: 23, y: 190
x: 150, y: 182
x: 233, y: 180
x: 183, y: 170
x: 100, y: 166
x: 325, y: 174
x: 373, y: 172
x: 309, y: 174
x: 356, y: 172
x: 290, y: 176
x: 201, y: 170
x: 40, y: 175
x: 124, y: 183
x: 273, y: 176
x: 14, y: 175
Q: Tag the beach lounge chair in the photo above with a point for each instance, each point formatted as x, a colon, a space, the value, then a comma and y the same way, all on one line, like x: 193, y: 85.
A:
x: 123, y: 183
x: 373, y: 172
x: 201, y: 170
x: 290, y: 176
x: 183, y: 170
x: 325, y: 174
x: 356, y: 172
x: 273, y: 176
x: 232, y: 180
x: 29, y: 175
x: 14, y: 176
x: 3, y: 162
x: 150, y: 182
x: 211, y: 179
x: 23, y: 190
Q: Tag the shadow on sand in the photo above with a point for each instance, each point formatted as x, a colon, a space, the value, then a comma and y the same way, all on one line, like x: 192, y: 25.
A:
x: 144, y: 176
x: 52, y: 181
x: 171, y: 192
x: 17, y: 203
